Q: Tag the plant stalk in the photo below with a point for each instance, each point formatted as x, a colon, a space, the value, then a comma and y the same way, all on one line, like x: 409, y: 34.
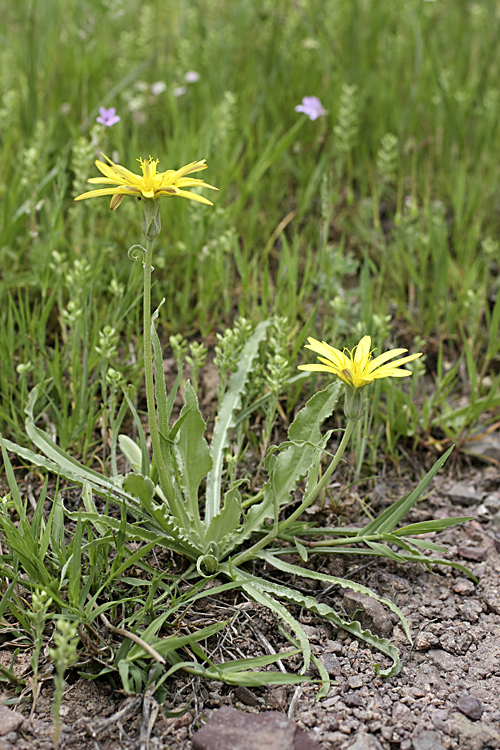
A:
x: 311, y: 496
x: 163, y: 474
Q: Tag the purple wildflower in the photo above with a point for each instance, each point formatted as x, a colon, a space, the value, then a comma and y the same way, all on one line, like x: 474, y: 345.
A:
x: 312, y: 107
x: 192, y: 76
x: 107, y: 117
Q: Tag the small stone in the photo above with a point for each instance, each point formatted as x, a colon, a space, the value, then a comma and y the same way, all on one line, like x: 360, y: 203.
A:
x: 492, y: 502
x: 445, y: 661
x: 365, y: 741
x: 426, y: 640
x: 387, y: 733
x: 356, y: 681
x: 369, y: 612
x: 477, y: 554
x: 439, y: 719
x: 333, y: 647
x: 484, y: 446
x: 475, y: 735
x: 245, y: 696
x: 10, y: 721
x: 354, y: 699
x: 492, y: 599
x: 427, y: 740
x: 464, y: 494
x: 228, y: 729
x: 471, y: 707
x: 331, y: 663
x: 402, y: 716
x: 463, y: 587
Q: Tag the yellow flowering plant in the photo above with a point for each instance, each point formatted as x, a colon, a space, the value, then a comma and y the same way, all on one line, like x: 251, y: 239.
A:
x: 184, y: 498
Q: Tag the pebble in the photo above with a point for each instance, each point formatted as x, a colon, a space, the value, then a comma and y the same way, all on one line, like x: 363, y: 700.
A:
x: 477, y: 554
x: 426, y: 640
x: 10, y: 721
x: 369, y: 612
x: 331, y: 663
x: 444, y: 661
x: 427, y: 740
x: 356, y: 681
x: 464, y: 587
x: 228, y: 729
x: 464, y: 494
x: 475, y: 735
x: 492, y: 502
x: 354, y: 699
x: 365, y: 741
x: 471, y: 707
x: 245, y: 696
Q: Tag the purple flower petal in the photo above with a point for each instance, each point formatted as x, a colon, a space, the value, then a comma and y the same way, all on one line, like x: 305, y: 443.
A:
x: 312, y: 107
x: 107, y: 117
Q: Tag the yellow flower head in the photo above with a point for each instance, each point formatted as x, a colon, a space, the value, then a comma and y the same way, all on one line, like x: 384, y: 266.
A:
x: 357, y: 368
x: 151, y: 184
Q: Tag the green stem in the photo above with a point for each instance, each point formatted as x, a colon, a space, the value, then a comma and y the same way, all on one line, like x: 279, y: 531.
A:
x: 311, y: 496
x: 163, y: 474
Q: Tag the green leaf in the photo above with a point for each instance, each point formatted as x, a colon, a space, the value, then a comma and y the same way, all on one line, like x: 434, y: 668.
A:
x: 145, y: 460
x: 390, y: 518
x: 140, y: 487
x: 425, y: 544
x: 226, y: 419
x: 301, y: 550
x: 227, y: 521
x: 344, y: 583
x: 90, y: 507
x: 323, y: 610
x: 385, y: 551
x: 132, y: 452
x: 427, y: 527
x: 258, y: 593
x: 173, y: 642
x: 192, y: 453
x: 293, y: 460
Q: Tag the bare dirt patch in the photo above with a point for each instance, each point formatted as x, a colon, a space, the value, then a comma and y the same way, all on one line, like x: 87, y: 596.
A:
x: 446, y: 696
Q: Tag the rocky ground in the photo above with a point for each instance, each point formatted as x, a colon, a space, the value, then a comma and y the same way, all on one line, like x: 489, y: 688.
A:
x: 446, y: 696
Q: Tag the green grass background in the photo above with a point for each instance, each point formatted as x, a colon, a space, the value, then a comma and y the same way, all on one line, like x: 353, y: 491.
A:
x: 380, y: 217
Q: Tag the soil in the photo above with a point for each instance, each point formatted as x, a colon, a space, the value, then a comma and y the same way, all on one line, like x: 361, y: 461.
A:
x: 447, y: 694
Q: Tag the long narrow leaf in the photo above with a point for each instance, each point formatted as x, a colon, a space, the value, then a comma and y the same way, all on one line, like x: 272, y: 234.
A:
x: 226, y: 419
x: 390, y: 518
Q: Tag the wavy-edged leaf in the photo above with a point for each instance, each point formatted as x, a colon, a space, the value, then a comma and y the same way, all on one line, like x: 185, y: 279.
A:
x: 323, y: 610
x: 344, y: 583
x: 227, y: 521
x: 192, y: 453
x: 72, y: 470
x: 258, y: 593
x: 140, y: 487
x: 226, y: 419
x: 292, y: 461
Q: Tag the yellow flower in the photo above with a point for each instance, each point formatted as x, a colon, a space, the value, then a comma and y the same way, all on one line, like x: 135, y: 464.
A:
x: 356, y: 368
x: 151, y: 184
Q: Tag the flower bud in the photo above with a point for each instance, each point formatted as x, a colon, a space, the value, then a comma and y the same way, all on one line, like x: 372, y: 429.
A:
x: 353, y: 402
x: 151, y: 219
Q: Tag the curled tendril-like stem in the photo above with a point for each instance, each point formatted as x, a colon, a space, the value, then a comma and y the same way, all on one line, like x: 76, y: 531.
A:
x: 135, y: 252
